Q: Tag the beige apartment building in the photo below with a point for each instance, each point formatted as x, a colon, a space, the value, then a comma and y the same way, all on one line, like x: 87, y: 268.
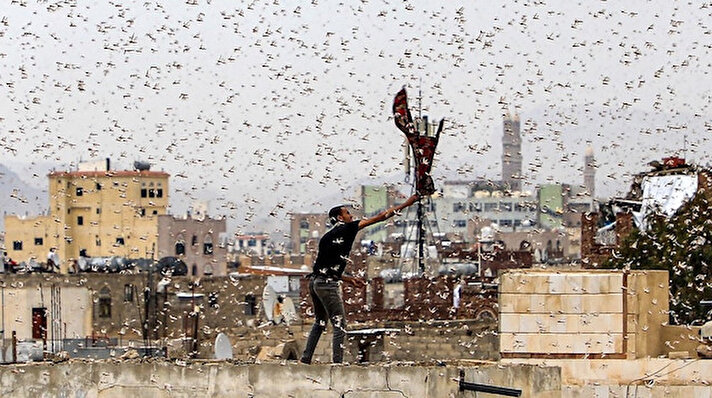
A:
x: 93, y: 213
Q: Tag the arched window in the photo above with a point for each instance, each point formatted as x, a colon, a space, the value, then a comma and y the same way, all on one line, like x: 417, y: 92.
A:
x: 105, y: 302
x: 304, y: 224
x: 208, y: 245
x: 180, y: 248
x: 194, y: 270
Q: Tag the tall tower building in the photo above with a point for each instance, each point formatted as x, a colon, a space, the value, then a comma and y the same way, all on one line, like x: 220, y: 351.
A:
x: 512, y: 153
x: 589, y: 172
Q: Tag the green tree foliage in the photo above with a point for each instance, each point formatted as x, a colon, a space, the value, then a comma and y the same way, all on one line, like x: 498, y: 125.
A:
x: 682, y: 245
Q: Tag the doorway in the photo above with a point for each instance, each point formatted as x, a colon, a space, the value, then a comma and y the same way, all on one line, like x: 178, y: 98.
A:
x: 39, y: 323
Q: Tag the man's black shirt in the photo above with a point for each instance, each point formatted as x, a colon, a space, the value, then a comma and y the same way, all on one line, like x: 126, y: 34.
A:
x: 334, y: 249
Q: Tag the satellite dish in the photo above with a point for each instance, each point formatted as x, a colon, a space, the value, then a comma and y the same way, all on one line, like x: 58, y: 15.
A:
x: 269, y: 298
x: 83, y: 264
x: 223, y: 347
x: 289, y: 311
x: 142, y: 166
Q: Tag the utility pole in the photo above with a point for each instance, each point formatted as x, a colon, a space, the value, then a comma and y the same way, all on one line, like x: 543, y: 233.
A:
x: 421, y: 237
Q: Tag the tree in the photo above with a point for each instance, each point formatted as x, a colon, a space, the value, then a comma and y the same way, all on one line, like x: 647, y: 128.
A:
x: 682, y: 245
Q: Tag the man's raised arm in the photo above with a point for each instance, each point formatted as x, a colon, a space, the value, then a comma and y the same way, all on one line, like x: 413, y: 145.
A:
x: 386, y: 214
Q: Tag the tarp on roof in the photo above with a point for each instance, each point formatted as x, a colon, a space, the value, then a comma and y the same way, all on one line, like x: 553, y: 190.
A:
x: 664, y: 195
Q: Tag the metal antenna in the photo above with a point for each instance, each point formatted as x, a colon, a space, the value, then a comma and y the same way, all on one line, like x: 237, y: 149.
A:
x: 684, y: 146
x: 420, y: 99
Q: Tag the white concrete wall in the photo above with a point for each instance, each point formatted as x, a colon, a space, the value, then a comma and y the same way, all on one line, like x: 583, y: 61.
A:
x: 76, y: 310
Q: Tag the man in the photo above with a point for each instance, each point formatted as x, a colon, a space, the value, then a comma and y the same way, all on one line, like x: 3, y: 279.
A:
x: 325, y: 281
x: 52, y: 260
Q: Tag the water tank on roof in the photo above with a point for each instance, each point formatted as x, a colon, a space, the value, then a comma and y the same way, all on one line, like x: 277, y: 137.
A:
x: 142, y: 166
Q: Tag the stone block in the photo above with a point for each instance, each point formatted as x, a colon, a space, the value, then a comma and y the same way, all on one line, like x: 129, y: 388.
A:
x: 411, y: 381
x: 274, y: 380
x: 350, y: 378
x: 229, y: 380
x: 316, y: 394
x: 373, y: 394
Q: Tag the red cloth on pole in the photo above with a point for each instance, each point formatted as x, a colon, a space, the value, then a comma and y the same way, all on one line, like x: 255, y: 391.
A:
x: 423, y: 146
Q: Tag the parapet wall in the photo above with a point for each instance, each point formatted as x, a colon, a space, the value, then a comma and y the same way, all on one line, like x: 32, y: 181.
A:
x: 104, y: 379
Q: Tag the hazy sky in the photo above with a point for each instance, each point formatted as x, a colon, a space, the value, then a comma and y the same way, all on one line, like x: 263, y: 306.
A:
x: 276, y: 107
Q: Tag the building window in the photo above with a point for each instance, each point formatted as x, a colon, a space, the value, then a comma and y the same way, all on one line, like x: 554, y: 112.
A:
x: 39, y: 241
x: 475, y: 207
x: 505, y: 206
x: 159, y: 193
x: 80, y: 191
x: 505, y: 223
x: 97, y: 240
x: 213, y: 300
x: 194, y: 240
x: 98, y: 186
x: 180, y: 248
x: 80, y: 220
x: 83, y: 253
x: 252, y: 243
x: 98, y: 210
x: 128, y: 293
x: 142, y: 212
x: 250, y: 304
x: 490, y: 206
x: 105, y: 303
x: 151, y: 193
x: 459, y: 206
x: 120, y: 241
x: 154, y: 212
x: 17, y: 245
x: 459, y: 223
x: 304, y: 224
x: 144, y: 193
x: 208, y: 245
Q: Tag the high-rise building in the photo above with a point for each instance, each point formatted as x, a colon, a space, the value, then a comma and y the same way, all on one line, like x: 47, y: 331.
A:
x: 512, y: 153
x: 589, y: 172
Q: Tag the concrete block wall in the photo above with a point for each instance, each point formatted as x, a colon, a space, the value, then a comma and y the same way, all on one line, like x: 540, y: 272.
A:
x: 641, y: 378
x: 421, y: 342
x: 104, y: 379
x: 582, y: 312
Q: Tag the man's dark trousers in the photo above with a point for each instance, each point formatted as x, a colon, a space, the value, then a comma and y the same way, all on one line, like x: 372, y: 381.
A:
x: 328, y: 305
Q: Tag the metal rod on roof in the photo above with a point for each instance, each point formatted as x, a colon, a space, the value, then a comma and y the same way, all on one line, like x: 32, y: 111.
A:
x: 486, y: 388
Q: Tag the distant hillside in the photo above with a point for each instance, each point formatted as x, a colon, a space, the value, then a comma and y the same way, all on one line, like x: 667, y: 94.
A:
x: 19, y: 197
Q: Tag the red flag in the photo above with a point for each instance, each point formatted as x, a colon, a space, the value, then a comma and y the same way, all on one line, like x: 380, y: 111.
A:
x: 423, y: 146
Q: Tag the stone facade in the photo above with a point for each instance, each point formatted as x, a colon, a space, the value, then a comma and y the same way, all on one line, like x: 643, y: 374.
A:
x: 111, y: 306
x: 196, y: 242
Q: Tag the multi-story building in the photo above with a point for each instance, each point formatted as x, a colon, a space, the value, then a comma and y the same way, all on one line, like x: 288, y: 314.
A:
x: 305, y: 231
x: 467, y: 203
x: 93, y: 213
x: 252, y: 244
x: 196, y: 241
x: 512, y: 153
x: 589, y: 172
x: 374, y: 200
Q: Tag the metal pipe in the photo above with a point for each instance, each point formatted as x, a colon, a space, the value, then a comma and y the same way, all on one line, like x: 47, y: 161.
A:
x: 3, y: 314
x: 477, y: 387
